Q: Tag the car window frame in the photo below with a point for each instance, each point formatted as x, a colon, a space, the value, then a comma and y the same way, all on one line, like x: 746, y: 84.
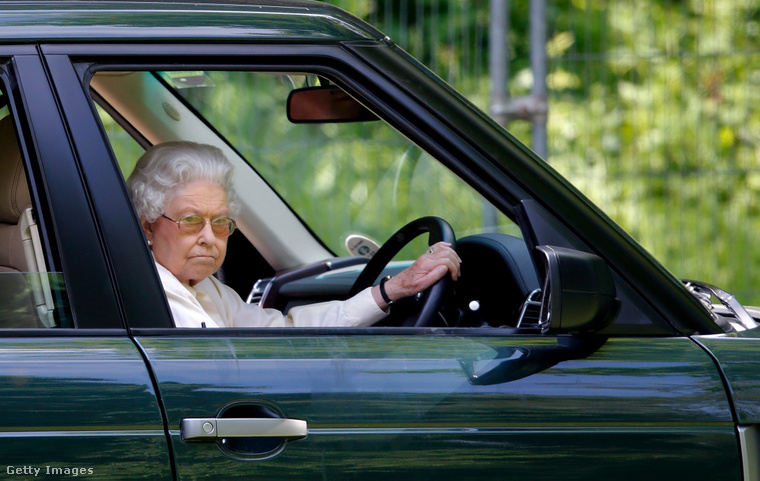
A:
x: 11, y: 88
x: 68, y: 235
x: 396, y: 105
x: 46, y: 284
x: 345, y: 79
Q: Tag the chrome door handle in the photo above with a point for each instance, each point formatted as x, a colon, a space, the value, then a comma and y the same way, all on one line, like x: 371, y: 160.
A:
x: 198, y: 429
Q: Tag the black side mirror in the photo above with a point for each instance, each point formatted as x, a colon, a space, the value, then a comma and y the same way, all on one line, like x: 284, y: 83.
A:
x: 322, y: 105
x: 578, y: 293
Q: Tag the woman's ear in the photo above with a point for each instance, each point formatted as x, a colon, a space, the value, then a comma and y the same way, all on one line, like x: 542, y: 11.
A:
x: 147, y: 230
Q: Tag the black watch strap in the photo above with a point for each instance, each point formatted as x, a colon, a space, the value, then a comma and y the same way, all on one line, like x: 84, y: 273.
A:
x: 382, y: 290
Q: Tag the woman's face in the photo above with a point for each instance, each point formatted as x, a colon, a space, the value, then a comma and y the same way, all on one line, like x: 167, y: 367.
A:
x: 190, y: 257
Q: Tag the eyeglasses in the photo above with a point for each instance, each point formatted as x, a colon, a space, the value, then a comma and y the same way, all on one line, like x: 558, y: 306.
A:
x: 192, y: 224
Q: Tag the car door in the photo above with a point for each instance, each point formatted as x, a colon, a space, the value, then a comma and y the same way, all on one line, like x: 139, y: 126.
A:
x: 377, y: 405
x: 77, y: 398
x: 412, y: 403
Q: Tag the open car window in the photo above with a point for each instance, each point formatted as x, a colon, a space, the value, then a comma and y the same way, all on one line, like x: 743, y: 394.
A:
x: 309, y: 191
x: 318, y: 193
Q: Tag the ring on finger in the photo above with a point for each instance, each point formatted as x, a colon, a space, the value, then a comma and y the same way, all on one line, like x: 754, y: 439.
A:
x: 431, y: 251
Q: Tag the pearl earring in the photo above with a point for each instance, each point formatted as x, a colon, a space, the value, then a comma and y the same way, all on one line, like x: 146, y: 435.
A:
x: 150, y: 242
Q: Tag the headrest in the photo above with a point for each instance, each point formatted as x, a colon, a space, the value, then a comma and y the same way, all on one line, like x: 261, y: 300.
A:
x: 14, y: 191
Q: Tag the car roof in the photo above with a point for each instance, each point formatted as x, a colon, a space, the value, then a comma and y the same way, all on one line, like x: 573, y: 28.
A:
x: 221, y: 20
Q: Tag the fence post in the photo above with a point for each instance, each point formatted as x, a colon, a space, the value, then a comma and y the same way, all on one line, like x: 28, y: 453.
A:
x: 538, y: 63
x: 498, y: 64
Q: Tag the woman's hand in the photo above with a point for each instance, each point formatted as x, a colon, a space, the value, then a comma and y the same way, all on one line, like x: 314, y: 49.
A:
x: 426, y: 271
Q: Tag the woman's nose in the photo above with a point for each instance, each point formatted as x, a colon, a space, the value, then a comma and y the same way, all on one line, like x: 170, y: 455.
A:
x: 206, y: 235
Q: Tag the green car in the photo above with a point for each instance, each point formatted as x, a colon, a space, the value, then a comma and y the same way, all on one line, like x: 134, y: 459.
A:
x: 564, y: 351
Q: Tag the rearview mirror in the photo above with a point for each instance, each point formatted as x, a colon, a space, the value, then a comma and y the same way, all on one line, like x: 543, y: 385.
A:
x: 325, y: 105
x: 578, y: 292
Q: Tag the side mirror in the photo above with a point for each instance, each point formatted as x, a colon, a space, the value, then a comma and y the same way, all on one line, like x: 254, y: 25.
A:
x: 578, y: 292
x: 317, y: 105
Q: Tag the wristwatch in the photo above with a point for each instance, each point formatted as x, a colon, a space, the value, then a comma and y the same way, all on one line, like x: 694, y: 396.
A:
x: 384, y: 294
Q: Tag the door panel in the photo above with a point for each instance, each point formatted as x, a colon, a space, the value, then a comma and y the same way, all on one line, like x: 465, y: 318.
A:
x: 384, y: 406
x: 80, y: 403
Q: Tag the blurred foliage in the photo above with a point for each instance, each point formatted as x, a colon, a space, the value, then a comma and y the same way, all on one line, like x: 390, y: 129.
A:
x: 651, y: 112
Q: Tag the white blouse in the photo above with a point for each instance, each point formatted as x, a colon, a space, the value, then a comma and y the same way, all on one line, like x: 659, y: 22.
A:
x: 213, y: 304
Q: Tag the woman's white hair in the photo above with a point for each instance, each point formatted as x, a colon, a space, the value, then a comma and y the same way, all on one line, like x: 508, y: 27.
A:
x: 166, y: 168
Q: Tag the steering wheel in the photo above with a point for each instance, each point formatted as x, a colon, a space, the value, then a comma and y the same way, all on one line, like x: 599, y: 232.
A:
x: 432, y: 299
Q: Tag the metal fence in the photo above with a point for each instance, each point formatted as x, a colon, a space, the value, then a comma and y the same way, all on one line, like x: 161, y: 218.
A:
x: 651, y: 111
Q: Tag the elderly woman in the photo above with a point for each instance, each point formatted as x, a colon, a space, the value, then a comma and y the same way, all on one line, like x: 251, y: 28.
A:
x: 183, y: 193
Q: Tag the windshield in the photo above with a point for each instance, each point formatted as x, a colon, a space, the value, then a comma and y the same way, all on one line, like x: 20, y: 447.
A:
x: 342, y: 179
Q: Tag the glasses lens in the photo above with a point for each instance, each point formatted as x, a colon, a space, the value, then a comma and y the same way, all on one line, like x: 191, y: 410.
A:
x: 190, y: 224
x: 223, y: 226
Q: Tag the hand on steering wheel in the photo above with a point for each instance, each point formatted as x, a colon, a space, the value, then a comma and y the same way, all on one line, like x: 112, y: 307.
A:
x: 439, y: 260
x: 421, y: 276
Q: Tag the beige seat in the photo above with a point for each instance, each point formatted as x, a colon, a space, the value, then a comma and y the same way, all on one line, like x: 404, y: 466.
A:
x: 25, y: 300
x: 14, y: 199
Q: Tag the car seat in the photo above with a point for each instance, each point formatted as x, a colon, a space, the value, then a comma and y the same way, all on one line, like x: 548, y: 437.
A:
x: 25, y: 299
